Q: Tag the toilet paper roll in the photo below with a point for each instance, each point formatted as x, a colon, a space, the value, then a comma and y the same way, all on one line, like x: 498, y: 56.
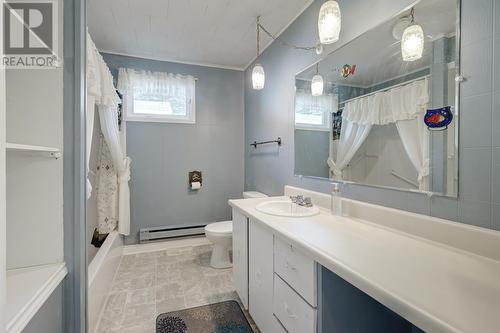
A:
x: 195, y: 185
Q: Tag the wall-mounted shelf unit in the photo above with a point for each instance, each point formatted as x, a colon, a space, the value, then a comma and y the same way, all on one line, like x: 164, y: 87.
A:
x: 31, y: 198
x: 27, y: 290
x: 16, y: 147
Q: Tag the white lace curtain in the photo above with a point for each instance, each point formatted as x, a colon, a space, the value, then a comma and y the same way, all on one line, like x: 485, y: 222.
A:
x: 93, y: 98
x: 405, y: 106
x: 100, y: 81
x: 154, y: 83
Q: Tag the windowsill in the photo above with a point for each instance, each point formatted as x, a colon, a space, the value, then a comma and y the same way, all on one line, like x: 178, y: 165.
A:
x: 160, y: 120
x: 306, y: 128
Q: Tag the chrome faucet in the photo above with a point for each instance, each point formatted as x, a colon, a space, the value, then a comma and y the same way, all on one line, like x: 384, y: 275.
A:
x: 301, y: 200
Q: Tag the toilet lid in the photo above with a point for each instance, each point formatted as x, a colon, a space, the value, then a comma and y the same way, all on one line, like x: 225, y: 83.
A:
x: 225, y: 227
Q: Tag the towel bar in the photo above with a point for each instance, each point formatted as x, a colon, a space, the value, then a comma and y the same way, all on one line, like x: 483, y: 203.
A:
x: 255, y: 143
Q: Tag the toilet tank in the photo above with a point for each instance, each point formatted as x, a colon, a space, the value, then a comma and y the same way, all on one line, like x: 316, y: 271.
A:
x: 253, y: 195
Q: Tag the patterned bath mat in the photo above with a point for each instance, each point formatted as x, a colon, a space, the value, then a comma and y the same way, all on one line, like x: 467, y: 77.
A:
x: 224, y: 317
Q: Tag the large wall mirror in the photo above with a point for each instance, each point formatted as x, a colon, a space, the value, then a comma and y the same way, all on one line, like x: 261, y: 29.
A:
x: 383, y: 109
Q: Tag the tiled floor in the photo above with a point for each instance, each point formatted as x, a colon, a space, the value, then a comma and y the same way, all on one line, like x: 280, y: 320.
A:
x: 149, y: 284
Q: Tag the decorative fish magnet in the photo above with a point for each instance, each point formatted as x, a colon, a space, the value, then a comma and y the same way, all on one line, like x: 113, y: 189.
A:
x: 438, y: 119
x: 347, y: 70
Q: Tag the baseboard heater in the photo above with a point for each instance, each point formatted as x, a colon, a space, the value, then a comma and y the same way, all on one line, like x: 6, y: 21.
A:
x: 147, y: 235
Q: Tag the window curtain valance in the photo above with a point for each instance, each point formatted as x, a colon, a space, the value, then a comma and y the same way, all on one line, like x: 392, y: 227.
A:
x: 154, y: 83
x: 93, y: 71
x: 400, y: 103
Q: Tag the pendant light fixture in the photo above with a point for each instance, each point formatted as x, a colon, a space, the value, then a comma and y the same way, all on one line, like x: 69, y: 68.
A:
x: 258, y: 74
x: 317, y: 83
x: 412, y: 41
x: 329, y: 22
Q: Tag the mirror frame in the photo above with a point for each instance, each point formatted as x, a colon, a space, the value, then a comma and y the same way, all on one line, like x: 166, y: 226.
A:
x: 458, y: 80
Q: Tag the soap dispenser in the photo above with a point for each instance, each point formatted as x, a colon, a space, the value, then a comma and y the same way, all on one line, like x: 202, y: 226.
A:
x: 336, y: 203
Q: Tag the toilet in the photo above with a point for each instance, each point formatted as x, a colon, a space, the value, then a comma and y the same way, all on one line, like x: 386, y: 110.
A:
x: 221, y: 235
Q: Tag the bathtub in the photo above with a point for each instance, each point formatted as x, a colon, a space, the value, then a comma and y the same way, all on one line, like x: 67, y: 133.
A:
x: 101, y: 271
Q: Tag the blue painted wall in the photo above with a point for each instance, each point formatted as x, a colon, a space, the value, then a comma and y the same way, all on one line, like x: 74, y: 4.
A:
x: 312, y: 149
x: 163, y: 154
x: 269, y: 113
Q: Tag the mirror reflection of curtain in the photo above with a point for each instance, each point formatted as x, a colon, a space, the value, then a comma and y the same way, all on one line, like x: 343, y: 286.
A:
x: 405, y: 106
x: 352, y: 136
x: 415, y: 137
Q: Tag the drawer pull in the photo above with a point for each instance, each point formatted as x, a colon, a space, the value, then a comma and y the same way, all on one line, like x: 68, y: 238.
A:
x: 289, y: 312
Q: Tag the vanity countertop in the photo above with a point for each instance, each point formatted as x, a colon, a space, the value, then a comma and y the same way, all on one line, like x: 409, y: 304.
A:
x: 437, y: 287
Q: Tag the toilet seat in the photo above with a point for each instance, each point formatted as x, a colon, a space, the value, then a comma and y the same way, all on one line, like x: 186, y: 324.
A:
x: 220, y: 228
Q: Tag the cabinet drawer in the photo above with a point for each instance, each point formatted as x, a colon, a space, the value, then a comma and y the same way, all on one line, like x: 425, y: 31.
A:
x: 298, y: 270
x: 296, y: 315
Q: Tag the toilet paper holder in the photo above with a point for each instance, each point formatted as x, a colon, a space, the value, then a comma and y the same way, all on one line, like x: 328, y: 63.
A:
x: 194, y: 177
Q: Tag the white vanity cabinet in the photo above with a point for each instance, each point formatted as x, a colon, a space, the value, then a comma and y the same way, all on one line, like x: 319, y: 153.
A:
x: 260, y: 279
x: 240, y: 256
x: 274, y: 280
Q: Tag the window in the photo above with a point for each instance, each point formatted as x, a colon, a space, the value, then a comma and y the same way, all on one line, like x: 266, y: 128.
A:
x: 162, y: 108
x: 158, y: 96
x: 314, y: 112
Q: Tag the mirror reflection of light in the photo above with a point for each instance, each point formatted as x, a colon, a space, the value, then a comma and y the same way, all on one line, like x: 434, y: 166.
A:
x: 412, y: 43
x: 317, y: 85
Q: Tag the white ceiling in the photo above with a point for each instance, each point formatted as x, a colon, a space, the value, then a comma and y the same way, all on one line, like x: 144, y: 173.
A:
x: 219, y: 33
x: 377, y: 54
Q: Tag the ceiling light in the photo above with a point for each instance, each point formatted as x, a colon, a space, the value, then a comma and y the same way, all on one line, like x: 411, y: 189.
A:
x: 258, y: 74
x: 412, y: 42
x: 317, y: 84
x: 329, y: 22
x: 258, y: 77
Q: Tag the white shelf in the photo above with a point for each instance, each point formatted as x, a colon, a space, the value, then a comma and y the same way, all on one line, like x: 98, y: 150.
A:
x: 27, y: 290
x: 16, y: 147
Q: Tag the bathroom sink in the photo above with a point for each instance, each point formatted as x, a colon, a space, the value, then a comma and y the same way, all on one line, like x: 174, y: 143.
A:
x: 286, y: 209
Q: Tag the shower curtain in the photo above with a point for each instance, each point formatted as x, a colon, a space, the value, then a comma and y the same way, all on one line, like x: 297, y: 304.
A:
x: 93, y: 97
x: 107, y: 193
x: 113, y: 194
x: 405, y: 106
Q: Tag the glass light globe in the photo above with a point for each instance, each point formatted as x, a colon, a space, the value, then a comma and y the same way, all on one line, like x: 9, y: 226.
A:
x: 329, y: 22
x: 317, y: 85
x: 258, y: 77
x: 412, y: 43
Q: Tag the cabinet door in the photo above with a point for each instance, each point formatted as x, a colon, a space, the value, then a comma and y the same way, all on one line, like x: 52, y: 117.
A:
x: 240, y: 256
x: 261, y: 277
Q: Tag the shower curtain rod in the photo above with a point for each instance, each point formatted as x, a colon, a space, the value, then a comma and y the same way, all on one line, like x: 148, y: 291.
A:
x: 386, y: 89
